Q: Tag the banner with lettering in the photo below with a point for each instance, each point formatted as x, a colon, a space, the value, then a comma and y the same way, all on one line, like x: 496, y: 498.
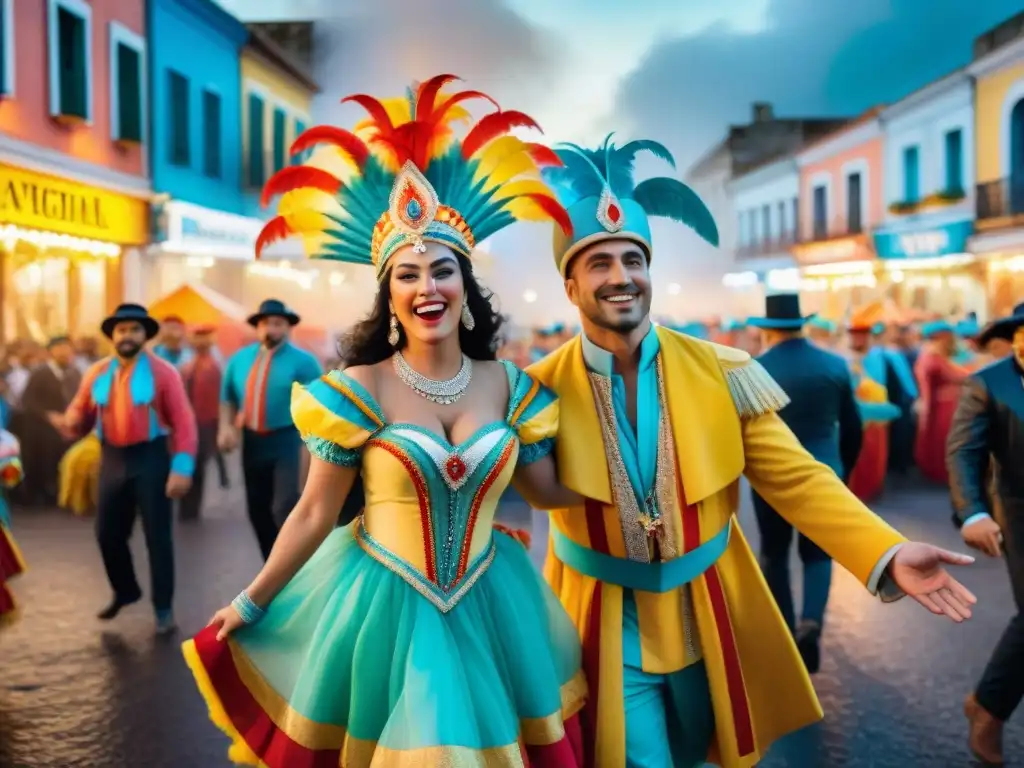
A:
x: 51, y: 204
x: 924, y: 242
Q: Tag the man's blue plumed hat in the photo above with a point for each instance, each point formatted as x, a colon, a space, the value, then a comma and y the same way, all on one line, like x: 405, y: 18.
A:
x: 596, y: 187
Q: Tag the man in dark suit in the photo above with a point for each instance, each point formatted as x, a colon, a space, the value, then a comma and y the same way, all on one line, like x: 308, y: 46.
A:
x: 986, y: 442
x: 823, y: 414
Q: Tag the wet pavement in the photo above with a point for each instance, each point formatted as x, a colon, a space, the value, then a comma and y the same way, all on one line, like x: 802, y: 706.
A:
x: 75, y: 694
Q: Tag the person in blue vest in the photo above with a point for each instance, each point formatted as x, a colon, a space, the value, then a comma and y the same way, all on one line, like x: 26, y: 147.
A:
x: 256, y: 414
x: 824, y: 416
x: 897, y: 375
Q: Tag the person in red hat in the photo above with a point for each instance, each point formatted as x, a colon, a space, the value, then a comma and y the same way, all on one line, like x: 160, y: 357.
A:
x: 203, y: 378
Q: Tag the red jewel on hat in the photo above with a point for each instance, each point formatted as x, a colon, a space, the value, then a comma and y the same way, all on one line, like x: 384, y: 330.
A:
x: 456, y: 468
x: 614, y: 213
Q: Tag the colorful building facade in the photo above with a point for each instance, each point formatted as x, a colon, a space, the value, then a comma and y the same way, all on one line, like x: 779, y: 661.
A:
x: 841, y: 194
x: 74, y: 161
x: 929, y: 201
x: 998, y: 71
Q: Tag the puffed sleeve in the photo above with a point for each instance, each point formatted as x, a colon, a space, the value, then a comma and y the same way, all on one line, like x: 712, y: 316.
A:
x: 532, y: 413
x: 11, y: 472
x: 335, y: 416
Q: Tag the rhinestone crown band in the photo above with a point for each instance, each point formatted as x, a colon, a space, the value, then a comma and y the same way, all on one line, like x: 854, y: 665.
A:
x: 443, y: 392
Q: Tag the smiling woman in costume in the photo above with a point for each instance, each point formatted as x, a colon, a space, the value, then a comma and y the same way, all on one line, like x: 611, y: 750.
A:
x: 419, y: 634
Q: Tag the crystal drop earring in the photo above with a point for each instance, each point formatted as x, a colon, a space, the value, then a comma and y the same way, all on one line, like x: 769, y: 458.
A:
x: 468, y: 322
x: 393, y: 336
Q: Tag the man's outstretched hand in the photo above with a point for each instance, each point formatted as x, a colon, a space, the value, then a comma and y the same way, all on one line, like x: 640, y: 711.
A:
x: 919, y: 570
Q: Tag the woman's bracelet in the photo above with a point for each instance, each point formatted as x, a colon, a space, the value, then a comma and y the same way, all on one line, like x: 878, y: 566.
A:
x: 247, y: 609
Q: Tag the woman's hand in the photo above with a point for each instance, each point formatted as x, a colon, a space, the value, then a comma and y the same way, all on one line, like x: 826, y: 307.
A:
x: 228, y: 620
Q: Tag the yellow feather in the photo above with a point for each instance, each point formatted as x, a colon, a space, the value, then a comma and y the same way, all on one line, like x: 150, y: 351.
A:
x: 333, y: 160
x: 512, y: 167
x: 493, y: 153
x: 523, y: 187
x: 307, y: 221
x: 299, y: 201
x: 525, y: 209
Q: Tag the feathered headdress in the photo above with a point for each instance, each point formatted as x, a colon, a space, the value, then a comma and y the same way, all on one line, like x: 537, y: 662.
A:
x: 596, y: 186
x: 403, y: 178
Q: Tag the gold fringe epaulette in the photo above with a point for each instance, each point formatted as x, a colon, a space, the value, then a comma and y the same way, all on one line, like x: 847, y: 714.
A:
x: 753, y: 389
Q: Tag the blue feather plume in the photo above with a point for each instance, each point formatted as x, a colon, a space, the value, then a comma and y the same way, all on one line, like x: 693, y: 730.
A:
x: 674, y: 200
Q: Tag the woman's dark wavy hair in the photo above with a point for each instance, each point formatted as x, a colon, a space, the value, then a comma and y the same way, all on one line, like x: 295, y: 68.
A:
x: 367, y: 342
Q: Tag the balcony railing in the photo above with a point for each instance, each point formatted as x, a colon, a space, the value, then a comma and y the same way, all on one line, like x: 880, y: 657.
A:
x: 834, y: 229
x: 766, y: 247
x: 1000, y: 199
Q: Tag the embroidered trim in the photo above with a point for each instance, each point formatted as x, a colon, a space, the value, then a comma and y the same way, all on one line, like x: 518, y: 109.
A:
x: 754, y: 391
x: 443, y: 601
x: 535, y: 451
x: 665, y: 472
x: 333, y: 453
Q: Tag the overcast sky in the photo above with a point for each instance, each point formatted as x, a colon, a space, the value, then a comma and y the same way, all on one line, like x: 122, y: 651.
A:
x: 680, y: 71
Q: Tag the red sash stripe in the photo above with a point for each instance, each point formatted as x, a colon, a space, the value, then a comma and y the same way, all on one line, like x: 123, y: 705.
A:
x: 742, y: 723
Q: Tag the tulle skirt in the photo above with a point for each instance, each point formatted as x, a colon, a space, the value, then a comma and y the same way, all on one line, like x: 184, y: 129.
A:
x: 79, y: 476
x: 11, y: 565
x: 352, y: 666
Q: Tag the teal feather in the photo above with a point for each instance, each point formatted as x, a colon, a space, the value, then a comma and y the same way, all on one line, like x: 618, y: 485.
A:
x: 345, y: 252
x: 580, y: 177
x: 674, y: 200
x: 629, y: 151
x: 493, y: 223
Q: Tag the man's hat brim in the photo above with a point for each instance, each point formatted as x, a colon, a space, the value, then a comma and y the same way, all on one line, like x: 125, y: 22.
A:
x: 779, y: 323
x: 291, y: 317
x: 1000, y: 329
x: 151, y: 326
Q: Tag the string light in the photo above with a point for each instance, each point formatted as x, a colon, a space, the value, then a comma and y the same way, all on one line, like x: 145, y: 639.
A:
x: 11, y: 235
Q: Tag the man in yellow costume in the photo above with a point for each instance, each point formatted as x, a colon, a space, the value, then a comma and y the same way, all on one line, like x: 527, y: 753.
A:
x: 686, y: 654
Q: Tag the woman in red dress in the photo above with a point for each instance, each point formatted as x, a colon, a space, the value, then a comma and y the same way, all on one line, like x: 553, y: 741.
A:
x: 939, y: 380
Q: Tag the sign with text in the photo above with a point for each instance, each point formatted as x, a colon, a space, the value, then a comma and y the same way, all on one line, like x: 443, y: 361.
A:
x: 50, y: 204
x: 841, y: 249
x: 194, y: 229
x: 926, y: 242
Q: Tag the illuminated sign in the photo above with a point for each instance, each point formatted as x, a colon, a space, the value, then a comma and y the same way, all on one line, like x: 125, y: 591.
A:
x: 47, y: 203
x: 927, y: 242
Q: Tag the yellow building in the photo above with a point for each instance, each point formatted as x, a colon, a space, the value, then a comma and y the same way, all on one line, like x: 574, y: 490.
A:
x: 277, y: 97
x: 998, y: 70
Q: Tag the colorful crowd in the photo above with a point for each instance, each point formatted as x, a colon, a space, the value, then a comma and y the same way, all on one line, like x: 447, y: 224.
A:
x: 393, y: 622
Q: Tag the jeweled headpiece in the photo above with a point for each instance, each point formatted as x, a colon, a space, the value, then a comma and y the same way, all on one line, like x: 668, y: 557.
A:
x: 401, y: 178
x: 596, y: 186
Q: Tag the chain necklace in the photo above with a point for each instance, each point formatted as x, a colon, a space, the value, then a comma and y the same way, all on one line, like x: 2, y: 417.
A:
x: 444, y: 392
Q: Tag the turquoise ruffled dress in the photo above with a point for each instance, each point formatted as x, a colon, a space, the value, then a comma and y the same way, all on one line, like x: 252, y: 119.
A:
x: 419, y: 634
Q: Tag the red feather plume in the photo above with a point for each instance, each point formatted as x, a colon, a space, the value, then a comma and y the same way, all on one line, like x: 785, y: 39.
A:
x: 273, y: 231
x: 297, y: 177
x: 427, y: 94
x: 352, y: 145
x: 554, y: 209
x: 375, y: 109
x: 491, y: 127
x: 439, y: 113
x: 543, y: 155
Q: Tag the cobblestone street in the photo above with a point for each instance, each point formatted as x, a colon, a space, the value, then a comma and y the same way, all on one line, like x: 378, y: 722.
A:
x: 75, y: 694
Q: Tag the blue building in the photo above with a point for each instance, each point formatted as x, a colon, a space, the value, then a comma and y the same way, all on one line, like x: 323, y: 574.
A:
x: 206, y: 224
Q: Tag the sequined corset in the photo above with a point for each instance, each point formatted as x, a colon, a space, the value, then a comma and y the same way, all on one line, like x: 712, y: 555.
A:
x: 430, y: 505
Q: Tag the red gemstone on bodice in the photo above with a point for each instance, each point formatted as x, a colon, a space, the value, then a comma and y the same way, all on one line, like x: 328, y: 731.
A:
x: 456, y: 468
x: 614, y: 214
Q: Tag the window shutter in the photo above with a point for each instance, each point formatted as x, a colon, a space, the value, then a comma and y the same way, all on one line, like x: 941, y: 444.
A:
x: 256, y: 141
x: 300, y: 128
x: 72, y: 60
x: 954, y: 161
x: 179, y: 148
x: 5, y: 87
x: 280, y: 139
x: 129, y: 93
x: 211, y: 135
x: 911, y: 181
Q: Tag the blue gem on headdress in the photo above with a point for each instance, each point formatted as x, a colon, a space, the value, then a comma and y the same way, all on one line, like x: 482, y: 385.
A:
x: 413, y: 209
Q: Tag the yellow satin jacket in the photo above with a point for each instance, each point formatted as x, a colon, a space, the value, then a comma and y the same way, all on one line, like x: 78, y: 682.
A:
x: 723, y: 423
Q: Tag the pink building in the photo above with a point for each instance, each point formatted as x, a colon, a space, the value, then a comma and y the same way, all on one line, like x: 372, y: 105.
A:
x: 841, y: 199
x: 74, y: 186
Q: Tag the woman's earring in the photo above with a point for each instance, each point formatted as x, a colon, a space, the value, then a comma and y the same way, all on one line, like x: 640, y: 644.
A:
x: 393, y: 337
x: 467, y: 317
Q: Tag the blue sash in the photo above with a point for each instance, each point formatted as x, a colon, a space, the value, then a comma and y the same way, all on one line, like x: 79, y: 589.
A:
x: 646, y: 577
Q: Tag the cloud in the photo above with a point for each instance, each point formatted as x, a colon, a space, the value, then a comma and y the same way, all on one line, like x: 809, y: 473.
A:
x: 383, y: 49
x: 815, y: 59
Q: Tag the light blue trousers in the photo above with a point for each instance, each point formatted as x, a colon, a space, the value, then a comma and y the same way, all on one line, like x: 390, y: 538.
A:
x: 669, y: 718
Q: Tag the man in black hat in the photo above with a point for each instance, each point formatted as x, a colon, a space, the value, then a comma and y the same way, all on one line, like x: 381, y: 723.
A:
x: 988, y: 430
x: 823, y: 415
x: 141, y: 413
x: 256, y: 413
